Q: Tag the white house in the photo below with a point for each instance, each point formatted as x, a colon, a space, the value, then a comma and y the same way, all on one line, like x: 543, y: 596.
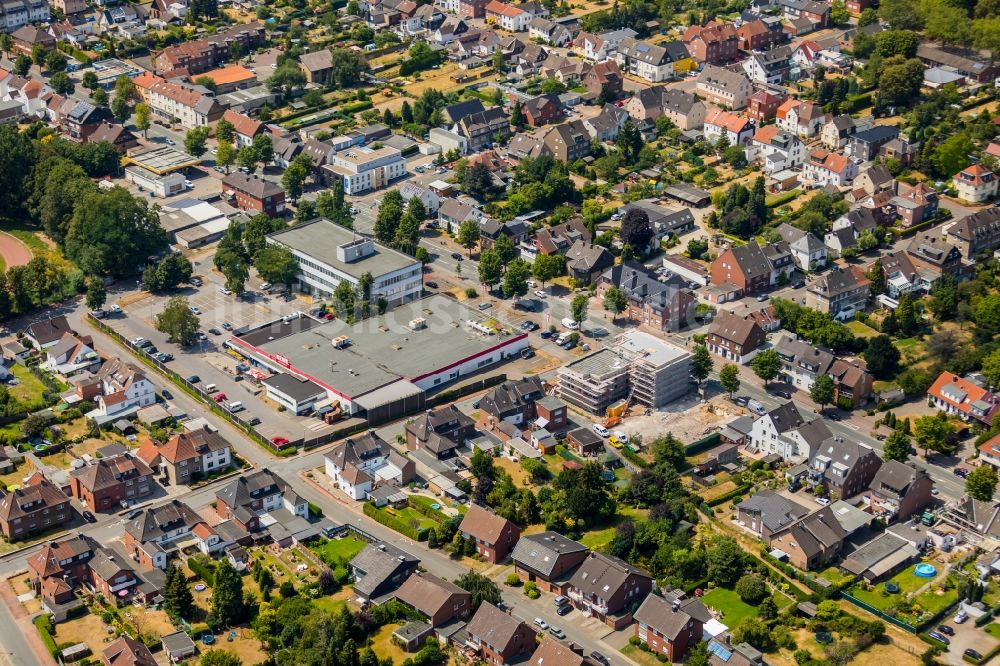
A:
x: 360, y: 463
x: 124, y: 389
x: 826, y: 168
x: 364, y: 168
x: 738, y: 131
x: 71, y: 355
x: 776, y: 149
x: 808, y: 252
x: 785, y: 432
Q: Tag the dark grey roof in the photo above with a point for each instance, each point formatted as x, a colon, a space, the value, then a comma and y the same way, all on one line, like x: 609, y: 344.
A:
x: 876, y: 134
x: 669, y: 616
x: 379, y: 561
x: 297, y: 389
x: 894, y: 478
x: 456, y: 112
x: 776, y: 511
x: 541, y: 552
x: 602, y: 575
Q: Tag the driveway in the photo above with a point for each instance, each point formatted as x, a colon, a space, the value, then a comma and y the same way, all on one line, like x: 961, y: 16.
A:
x: 967, y: 635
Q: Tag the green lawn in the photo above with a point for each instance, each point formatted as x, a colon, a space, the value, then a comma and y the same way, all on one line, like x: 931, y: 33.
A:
x: 910, y: 347
x: 328, y: 604
x: 408, y: 514
x: 733, y: 609
x: 993, y: 630
x: 598, y: 539
x: 861, y: 329
x: 30, y: 387
x: 833, y: 575
x: 426, y: 503
x: 338, y: 551
x: 640, y: 656
x: 879, y: 598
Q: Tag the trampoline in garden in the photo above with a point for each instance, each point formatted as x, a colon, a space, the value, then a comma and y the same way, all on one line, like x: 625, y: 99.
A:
x: 200, y: 587
x: 891, y: 588
x: 924, y: 570
x: 824, y: 637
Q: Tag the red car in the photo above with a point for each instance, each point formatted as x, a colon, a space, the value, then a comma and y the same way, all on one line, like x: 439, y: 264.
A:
x: 219, y: 397
x: 279, y: 441
x: 328, y: 316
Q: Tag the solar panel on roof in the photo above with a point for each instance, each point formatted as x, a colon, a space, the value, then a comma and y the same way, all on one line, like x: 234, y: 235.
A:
x: 719, y: 650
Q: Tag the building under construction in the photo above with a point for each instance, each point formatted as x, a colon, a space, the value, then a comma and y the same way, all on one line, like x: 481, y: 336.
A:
x: 638, y: 368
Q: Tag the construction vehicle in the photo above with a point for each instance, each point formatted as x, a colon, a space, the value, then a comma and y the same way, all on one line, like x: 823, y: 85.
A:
x: 616, y: 413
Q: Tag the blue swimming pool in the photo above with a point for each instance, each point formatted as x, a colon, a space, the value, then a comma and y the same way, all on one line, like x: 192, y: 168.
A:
x: 924, y: 570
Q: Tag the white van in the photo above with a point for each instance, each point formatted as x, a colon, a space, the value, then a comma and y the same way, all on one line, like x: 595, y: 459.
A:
x: 756, y: 407
x: 570, y: 323
x: 211, y: 388
x: 235, y: 406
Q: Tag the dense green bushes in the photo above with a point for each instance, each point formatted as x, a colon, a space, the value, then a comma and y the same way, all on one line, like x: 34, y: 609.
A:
x: 383, y: 517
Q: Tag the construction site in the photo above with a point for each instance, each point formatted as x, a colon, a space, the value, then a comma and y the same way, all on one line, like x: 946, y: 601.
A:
x: 638, y: 369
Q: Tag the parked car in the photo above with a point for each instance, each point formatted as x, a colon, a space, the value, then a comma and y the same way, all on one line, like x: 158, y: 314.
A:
x: 132, y: 515
x: 167, y: 395
x: 541, y: 623
x: 742, y: 400
x: 195, y: 309
x: 569, y: 344
x: 972, y: 654
x: 527, y: 353
x: 225, y: 292
x: 98, y: 314
x: 430, y: 284
x: 546, y: 334
x: 227, y: 326
x: 265, y: 286
x: 279, y: 441
x: 196, y: 281
x: 565, y: 609
x: 193, y: 379
x: 557, y: 632
x: 621, y: 436
x: 484, y: 306
x: 89, y: 517
x: 946, y: 630
x: 603, y: 432
x: 781, y: 393
x: 762, y: 297
x: 600, y: 658
x: 961, y: 617
x: 939, y: 637
x: 219, y: 397
x: 540, y: 293
x: 139, y: 342
x: 214, y: 331
x: 457, y: 256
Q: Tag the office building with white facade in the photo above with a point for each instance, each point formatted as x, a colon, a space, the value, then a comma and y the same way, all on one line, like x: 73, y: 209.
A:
x: 364, y: 168
x: 329, y: 254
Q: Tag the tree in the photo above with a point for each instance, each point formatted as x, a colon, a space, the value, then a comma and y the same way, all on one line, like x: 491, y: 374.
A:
x: 729, y: 378
x: 482, y: 589
x: 407, y: 234
x: 38, y: 53
x: 227, y: 594
x: 120, y: 109
x: 991, y: 368
x: 468, y: 234
x: 224, y: 130
x: 96, y: 294
x: 225, y: 154
x: 22, y: 64
x: 986, y: 314
x: 614, y: 301
x: 194, y: 141
x: 724, y: 561
x: 220, y: 658
x: 952, y: 154
x: 934, y: 433
x: 548, y: 266
x: 490, y: 268
x: 822, y: 390
x: 177, y: 321
x: 896, y: 446
x: 178, y: 601
x: 263, y: 148
x: 899, y: 83
x: 142, y: 121
x: 6, y: 42
x: 505, y: 248
x: 578, y: 308
x: 406, y: 112
x: 99, y: 97
x: 61, y: 83
x: 629, y: 142
x: 516, y: 115
x: 751, y: 588
x: 477, y: 181
x: 981, y: 483
x: 55, y: 61
x: 766, y: 365
x: 515, y: 279
x: 697, y: 248
x: 636, y: 231
x: 701, y: 363
x: 905, y: 315
x: 277, y: 264
x: 390, y: 212
x: 112, y: 232
x: 286, y: 78
x: 295, y: 176
x: 882, y: 357
x: 877, y: 278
